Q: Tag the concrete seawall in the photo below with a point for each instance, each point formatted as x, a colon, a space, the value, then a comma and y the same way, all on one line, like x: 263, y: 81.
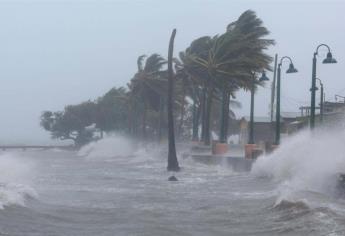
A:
x: 239, y: 164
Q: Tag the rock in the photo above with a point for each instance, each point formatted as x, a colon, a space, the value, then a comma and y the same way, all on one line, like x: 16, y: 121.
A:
x: 172, y: 178
x: 340, y: 187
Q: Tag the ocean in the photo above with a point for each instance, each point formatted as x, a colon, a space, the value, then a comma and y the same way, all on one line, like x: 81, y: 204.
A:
x: 113, y: 187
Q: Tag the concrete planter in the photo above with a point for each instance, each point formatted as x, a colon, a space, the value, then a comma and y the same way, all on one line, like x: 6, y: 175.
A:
x: 252, y: 151
x: 274, y: 147
x: 219, y: 148
x: 199, y: 147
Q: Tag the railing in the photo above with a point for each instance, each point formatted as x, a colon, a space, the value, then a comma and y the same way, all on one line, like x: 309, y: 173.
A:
x: 45, y: 147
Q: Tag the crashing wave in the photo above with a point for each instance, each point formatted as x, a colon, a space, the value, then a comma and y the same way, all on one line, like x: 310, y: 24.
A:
x: 291, y: 205
x: 306, y: 162
x: 15, y: 176
x: 108, y: 147
x: 15, y: 194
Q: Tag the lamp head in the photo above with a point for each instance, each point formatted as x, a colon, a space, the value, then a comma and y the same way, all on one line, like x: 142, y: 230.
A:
x: 263, y: 77
x: 329, y: 59
x: 291, y: 69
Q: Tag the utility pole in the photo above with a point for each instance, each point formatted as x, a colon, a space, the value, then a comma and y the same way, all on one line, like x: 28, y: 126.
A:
x: 273, y: 88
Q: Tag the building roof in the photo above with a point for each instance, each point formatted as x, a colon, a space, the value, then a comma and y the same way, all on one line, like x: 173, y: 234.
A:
x: 308, y: 107
x: 334, y: 104
x: 264, y: 119
x: 260, y: 119
x: 290, y: 114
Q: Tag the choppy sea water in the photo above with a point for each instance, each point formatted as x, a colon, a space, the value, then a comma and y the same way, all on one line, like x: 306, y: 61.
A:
x: 124, y: 191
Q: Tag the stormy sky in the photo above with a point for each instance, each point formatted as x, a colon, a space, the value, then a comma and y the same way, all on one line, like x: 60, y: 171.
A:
x: 54, y: 53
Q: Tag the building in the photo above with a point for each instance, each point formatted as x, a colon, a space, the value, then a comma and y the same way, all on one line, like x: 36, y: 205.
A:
x: 264, y: 128
x: 333, y: 107
x: 333, y: 113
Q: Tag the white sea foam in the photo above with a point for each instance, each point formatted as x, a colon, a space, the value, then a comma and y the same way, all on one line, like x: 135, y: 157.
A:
x: 15, y: 176
x: 108, y: 147
x: 305, y: 162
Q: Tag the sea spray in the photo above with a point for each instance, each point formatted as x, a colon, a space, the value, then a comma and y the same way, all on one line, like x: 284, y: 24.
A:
x: 16, y: 174
x: 305, y: 162
x: 108, y: 147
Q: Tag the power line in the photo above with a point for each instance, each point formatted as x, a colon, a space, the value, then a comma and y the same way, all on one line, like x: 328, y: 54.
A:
x: 295, y: 100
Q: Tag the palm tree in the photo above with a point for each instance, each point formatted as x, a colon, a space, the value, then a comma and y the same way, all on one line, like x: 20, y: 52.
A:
x: 196, y: 80
x: 172, y: 158
x: 228, y: 91
x: 222, y: 111
x: 251, y: 30
x: 186, y: 87
x: 214, y: 66
x: 230, y: 59
x: 148, y: 86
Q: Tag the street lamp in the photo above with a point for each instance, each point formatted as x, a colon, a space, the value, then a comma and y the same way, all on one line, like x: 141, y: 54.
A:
x: 251, y: 126
x: 328, y: 60
x: 291, y: 69
x: 321, y: 100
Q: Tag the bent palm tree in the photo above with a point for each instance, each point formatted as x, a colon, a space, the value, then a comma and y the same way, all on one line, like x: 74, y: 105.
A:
x: 148, y: 86
x: 230, y: 59
x: 172, y: 158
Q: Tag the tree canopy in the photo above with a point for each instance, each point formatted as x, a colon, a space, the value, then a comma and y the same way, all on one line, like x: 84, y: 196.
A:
x: 207, y: 74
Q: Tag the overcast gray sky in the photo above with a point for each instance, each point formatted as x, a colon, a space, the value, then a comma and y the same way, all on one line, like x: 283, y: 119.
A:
x: 54, y: 53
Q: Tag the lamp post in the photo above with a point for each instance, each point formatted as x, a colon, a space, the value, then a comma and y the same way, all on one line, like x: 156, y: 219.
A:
x: 321, y: 100
x: 251, y: 125
x: 328, y: 60
x: 291, y: 69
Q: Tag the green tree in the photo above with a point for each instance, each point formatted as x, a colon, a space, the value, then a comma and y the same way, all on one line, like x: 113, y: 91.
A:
x: 112, y: 110
x: 72, y: 123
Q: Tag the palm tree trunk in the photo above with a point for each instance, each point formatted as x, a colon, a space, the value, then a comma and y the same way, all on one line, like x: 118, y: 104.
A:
x: 251, y: 125
x: 207, y: 140
x: 223, y: 137
x: 161, y: 110
x: 182, y: 111
x: 172, y: 158
x: 130, y: 120
x: 144, y: 123
x: 203, y: 114
x: 198, y: 115
x: 222, y: 117
x: 135, y: 122
x: 195, y: 120
x: 227, y: 111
